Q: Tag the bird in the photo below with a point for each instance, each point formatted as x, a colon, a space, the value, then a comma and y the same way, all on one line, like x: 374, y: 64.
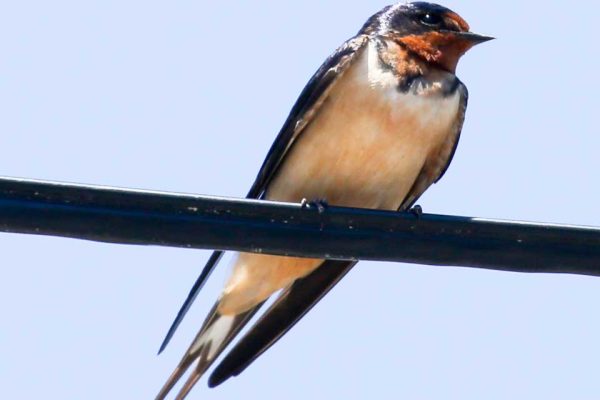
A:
x: 376, y: 125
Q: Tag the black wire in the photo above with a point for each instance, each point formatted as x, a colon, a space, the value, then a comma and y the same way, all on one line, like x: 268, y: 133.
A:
x: 178, y: 220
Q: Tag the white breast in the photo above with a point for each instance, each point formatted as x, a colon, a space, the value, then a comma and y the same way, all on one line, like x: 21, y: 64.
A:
x: 364, y: 148
x: 369, y: 140
x: 423, y: 102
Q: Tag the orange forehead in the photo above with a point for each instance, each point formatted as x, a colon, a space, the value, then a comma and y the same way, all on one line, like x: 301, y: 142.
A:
x: 458, y: 20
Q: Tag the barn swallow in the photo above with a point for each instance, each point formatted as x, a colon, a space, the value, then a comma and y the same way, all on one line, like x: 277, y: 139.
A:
x: 375, y: 126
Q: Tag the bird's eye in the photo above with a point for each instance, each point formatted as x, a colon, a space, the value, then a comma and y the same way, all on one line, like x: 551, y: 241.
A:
x: 431, y: 19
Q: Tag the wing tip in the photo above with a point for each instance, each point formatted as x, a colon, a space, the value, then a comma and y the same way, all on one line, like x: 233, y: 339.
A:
x: 198, y: 285
x: 174, y: 326
x: 164, y: 343
x: 218, y: 376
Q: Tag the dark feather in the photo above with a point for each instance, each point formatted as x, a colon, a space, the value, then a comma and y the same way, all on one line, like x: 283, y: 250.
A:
x: 200, y: 354
x: 288, y: 309
x: 460, y: 119
x: 307, y: 103
x: 296, y: 301
x: 309, y: 100
x: 198, y: 285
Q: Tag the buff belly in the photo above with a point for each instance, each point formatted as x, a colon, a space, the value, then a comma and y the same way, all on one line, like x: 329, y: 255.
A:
x: 364, y: 148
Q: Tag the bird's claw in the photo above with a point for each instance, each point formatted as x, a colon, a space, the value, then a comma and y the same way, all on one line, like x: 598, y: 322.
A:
x: 320, y: 204
x: 417, y: 211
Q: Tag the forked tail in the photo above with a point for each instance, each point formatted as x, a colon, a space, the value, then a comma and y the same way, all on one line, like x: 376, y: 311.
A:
x: 216, y: 333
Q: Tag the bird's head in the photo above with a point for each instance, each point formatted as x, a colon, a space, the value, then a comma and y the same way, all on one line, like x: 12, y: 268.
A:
x: 430, y: 31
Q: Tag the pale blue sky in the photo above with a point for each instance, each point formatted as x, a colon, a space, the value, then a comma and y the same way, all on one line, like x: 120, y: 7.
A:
x: 187, y: 96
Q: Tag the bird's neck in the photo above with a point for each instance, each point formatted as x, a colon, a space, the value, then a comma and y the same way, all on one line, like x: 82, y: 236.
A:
x: 410, y: 71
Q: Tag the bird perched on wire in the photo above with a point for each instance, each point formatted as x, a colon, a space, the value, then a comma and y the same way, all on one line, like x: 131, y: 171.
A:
x: 375, y: 126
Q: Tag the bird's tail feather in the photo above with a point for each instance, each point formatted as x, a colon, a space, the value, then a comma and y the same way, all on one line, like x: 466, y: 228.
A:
x: 288, y: 309
x: 216, y: 333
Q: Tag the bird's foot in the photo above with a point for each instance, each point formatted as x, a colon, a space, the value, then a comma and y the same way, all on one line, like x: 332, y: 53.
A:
x: 320, y: 204
x: 417, y: 211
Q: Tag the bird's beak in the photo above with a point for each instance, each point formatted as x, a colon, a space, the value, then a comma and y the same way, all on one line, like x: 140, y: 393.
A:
x: 458, y: 43
x: 473, y: 38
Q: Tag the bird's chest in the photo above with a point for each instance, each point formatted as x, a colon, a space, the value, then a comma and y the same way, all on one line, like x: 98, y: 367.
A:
x: 367, y: 143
